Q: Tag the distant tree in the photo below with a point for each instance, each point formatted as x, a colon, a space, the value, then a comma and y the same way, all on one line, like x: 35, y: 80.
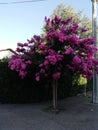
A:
x: 66, y: 12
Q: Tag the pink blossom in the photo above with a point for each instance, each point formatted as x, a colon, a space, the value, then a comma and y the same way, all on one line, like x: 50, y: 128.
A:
x: 41, y: 46
x: 95, y: 61
x: 42, y: 71
x: 23, y: 66
x: 59, y: 57
x: 28, y: 62
x: 61, y: 37
x: 25, y: 44
x: 83, y: 29
x: 18, y: 50
x: 69, y: 51
x: 20, y: 44
x: 46, y: 62
x: 76, y: 60
x: 30, y: 41
x: 52, y: 59
x: 91, y: 56
x: 12, y: 67
x: 38, y: 78
x: 51, y: 52
x: 56, y: 75
x: 22, y: 74
x: 85, y: 69
x: 40, y: 65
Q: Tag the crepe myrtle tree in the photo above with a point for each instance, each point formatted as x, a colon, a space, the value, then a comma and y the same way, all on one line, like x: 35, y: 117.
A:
x: 62, y: 50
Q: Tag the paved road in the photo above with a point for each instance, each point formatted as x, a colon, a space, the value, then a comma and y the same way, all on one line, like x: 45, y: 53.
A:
x: 76, y: 113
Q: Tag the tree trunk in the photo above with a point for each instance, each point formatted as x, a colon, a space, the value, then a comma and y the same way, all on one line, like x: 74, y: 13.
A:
x: 55, y: 109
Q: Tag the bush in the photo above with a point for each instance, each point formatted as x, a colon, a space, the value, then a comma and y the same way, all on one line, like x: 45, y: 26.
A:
x: 15, y: 90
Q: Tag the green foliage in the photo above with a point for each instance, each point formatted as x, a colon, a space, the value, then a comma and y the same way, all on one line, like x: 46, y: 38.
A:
x: 82, y: 80
x: 90, y: 85
x: 15, y: 90
x: 4, y: 59
x: 79, y: 84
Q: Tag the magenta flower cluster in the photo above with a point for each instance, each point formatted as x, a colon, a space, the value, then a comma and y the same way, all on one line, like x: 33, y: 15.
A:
x: 19, y: 64
x: 61, y: 50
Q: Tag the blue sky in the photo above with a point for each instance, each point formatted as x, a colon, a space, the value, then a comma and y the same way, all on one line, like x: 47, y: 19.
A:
x: 19, y: 22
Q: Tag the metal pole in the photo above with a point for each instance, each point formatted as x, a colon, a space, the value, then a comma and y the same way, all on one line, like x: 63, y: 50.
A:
x: 94, y: 33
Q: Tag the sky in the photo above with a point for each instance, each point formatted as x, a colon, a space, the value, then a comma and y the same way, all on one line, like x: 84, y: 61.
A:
x: 19, y: 22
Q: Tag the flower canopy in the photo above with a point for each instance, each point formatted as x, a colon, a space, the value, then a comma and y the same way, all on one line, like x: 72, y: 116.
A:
x: 61, y: 50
